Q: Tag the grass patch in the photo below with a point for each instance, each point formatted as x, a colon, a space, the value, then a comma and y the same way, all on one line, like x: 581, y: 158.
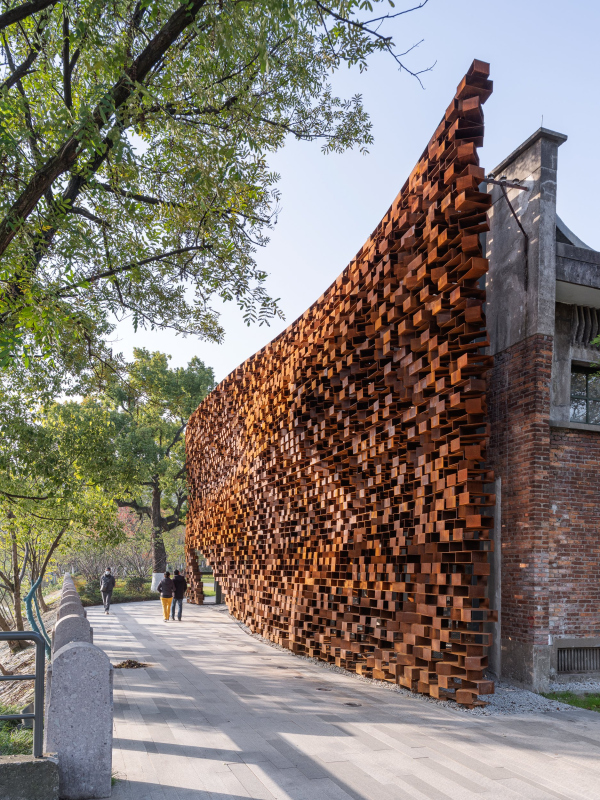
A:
x: 122, y: 593
x: 14, y: 740
x: 589, y: 700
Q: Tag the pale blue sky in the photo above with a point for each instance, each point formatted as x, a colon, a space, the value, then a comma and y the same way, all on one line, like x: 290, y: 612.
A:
x: 545, y: 62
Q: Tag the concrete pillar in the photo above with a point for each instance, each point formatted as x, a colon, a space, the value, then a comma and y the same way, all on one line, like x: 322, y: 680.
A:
x: 79, y: 720
x: 520, y: 310
x: 71, y: 628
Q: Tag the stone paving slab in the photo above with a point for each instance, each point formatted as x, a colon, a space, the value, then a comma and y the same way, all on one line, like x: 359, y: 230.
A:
x: 218, y: 715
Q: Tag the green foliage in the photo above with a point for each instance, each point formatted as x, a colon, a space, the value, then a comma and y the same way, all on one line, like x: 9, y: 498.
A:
x: 122, y: 593
x: 66, y: 467
x: 589, y: 700
x: 134, y: 144
x: 136, y: 584
x: 129, y: 438
x: 14, y: 740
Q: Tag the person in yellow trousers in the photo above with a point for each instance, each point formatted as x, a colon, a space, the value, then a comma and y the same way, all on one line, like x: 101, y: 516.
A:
x: 165, y: 589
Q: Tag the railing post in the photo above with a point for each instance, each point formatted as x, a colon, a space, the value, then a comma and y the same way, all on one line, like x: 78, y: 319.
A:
x: 38, y: 677
x: 38, y: 698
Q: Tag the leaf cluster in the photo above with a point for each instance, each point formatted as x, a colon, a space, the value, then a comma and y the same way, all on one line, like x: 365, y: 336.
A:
x: 134, y: 145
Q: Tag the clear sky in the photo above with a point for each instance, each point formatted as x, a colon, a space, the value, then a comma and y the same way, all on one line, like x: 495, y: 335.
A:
x: 545, y: 64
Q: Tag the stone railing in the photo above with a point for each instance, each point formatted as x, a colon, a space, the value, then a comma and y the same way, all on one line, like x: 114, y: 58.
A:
x: 79, y: 703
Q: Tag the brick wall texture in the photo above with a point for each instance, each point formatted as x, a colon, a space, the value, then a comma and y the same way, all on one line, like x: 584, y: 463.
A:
x: 550, y: 510
x: 574, y: 533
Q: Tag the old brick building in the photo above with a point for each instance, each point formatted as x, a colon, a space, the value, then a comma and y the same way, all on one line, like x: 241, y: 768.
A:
x: 543, y: 316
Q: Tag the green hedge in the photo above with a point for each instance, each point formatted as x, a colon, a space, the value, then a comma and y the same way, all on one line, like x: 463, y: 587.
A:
x: 124, y: 592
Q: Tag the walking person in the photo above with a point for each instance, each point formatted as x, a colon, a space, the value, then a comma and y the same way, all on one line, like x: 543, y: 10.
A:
x: 107, y: 584
x: 180, y: 586
x: 165, y: 589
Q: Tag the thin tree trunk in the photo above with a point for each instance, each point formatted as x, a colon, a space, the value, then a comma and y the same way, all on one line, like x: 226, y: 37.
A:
x: 42, y: 571
x: 159, y: 553
x: 6, y: 626
x: 17, y: 584
x: 43, y: 606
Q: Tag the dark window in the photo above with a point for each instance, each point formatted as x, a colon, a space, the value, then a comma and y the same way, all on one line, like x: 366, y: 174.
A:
x: 585, y: 396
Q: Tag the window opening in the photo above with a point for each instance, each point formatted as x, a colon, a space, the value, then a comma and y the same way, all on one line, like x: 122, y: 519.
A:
x: 585, y: 395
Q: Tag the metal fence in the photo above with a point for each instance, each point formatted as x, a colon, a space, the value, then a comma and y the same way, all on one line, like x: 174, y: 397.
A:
x: 38, y: 677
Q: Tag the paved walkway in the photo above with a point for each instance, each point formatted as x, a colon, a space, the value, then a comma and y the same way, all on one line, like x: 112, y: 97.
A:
x: 221, y: 716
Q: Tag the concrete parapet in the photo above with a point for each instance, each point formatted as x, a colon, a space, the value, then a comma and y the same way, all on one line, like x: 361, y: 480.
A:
x: 28, y: 778
x: 70, y: 607
x: 79, y: 709
x: 71, y: 628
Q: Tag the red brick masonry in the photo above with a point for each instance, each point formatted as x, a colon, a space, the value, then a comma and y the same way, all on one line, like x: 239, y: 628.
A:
x: 550, y: 503
x: 574, y: 533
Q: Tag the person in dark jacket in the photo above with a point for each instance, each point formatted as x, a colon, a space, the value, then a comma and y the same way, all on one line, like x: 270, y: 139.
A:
x: 165, y: 589
x: 180, y: 586
x: 107, y: 584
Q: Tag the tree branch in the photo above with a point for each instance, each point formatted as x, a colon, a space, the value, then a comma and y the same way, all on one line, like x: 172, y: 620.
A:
x: 23, y: 11
x: 51, y: 551
x: 132, y: 265
x: 176, y: 439
x: 387, y: 40
x: 24, y: 565
x: 66, y: 63
x: 11, y: 496
x: 66, y: 155
x: 83, y: 212
x: 7, y: 582
x: 141, y: 198
x: 135, y: 506
x: 20, y: 71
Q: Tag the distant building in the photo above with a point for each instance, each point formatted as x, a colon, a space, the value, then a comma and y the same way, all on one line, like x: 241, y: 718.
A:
x: 543, y: 317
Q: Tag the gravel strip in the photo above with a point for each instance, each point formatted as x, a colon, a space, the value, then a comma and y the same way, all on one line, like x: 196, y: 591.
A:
x: 579, y: 687
x: 508, y: 699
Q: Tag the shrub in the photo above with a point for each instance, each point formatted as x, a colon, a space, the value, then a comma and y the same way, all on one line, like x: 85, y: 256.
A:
x: 13, y: 739
x: 122, y: 593
x: 136, y: 584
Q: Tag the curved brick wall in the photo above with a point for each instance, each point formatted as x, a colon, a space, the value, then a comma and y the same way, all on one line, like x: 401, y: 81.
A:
x: 337, y: 477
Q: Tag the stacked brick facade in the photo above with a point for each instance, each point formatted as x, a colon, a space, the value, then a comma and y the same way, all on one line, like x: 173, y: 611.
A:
x: 337, y: 477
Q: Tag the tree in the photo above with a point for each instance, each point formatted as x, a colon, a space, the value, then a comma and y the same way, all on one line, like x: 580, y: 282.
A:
x: 134, y: 144
x: 45, y: 500
x: 128, y: 439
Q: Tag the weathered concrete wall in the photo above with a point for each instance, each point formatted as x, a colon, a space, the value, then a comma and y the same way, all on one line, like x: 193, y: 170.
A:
x: 521, y: 290
x: 550, y: 512
x: 28, y: 778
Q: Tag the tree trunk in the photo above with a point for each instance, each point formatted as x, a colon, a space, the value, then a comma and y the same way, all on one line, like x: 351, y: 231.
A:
x: 41, y: 601
x: 13, y: 645
x: 42, y: 571
x: 17, y: 584
x: 159, y: 553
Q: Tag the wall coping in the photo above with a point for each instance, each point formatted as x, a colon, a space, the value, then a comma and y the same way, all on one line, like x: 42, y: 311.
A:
x: 541, y: 133
x: 576, y: 426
